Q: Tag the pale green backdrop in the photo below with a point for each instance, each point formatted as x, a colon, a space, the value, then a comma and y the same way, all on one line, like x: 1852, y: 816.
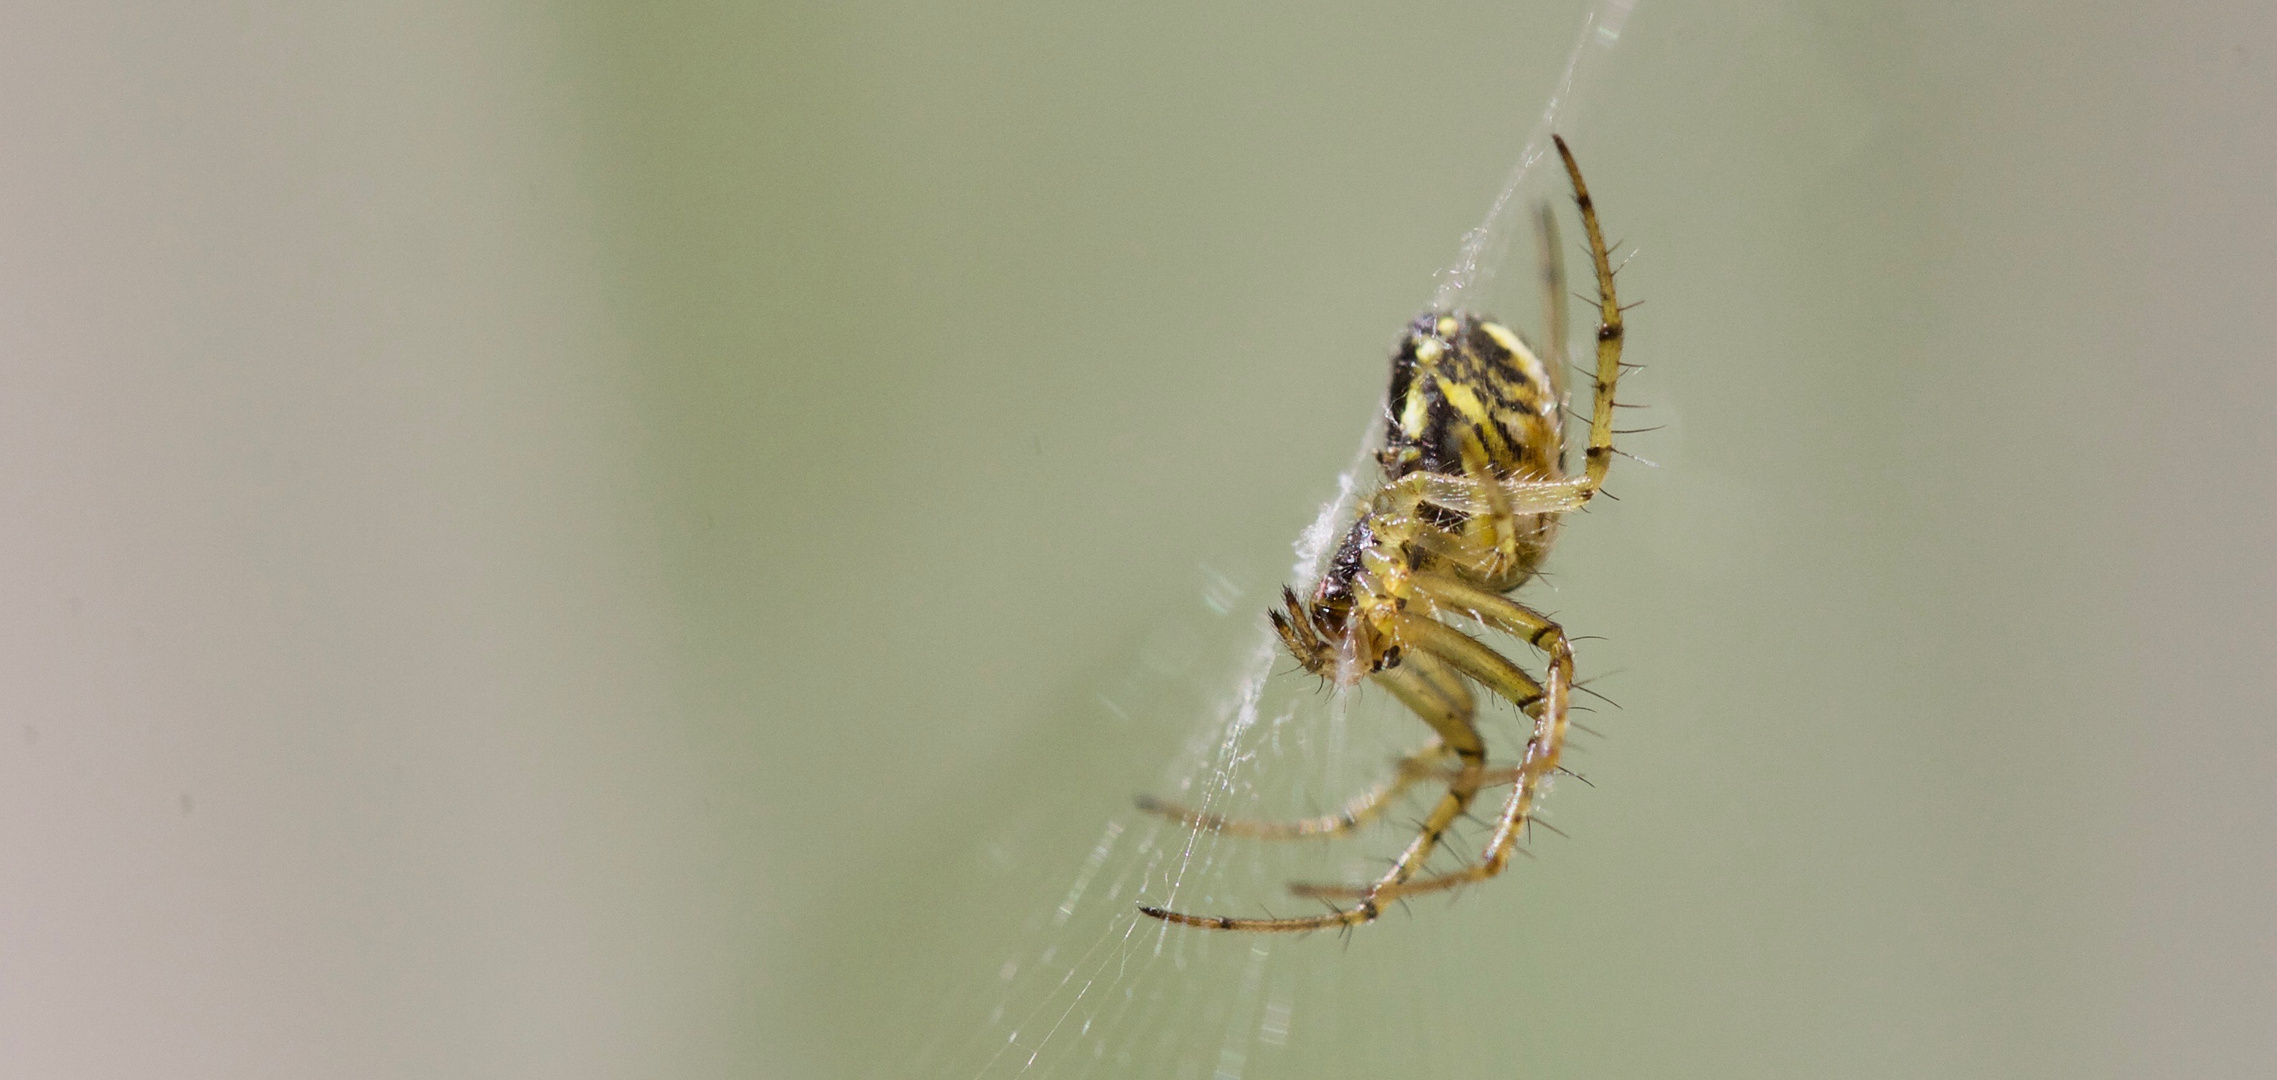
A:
x: 597, y: 540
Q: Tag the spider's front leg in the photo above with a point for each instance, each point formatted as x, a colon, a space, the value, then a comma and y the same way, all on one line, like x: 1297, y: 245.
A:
x: 1610, y: 332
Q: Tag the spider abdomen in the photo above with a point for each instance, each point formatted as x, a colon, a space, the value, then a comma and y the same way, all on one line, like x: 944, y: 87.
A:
x: 1459, y: 376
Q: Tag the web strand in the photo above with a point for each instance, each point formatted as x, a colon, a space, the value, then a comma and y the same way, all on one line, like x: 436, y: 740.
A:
x: 1486, y: 247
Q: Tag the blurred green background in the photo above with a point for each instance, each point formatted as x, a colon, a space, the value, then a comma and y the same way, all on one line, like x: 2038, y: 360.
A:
x: 569, y: 539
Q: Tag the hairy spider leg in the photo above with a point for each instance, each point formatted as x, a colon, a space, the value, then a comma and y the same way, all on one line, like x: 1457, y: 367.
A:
x: 1361, y: 811
x: 1423, y: 686
x: 1426, y: 636
x: 1600, y: 453
x: 1542, y: 750
x: 1502, y: 556
x: 1552, y: 260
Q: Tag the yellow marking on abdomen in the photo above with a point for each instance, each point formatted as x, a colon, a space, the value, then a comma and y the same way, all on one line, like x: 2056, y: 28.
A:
x: 1465, y: 401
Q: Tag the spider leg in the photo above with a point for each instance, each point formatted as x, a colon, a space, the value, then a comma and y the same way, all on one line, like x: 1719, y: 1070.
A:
x: 1499, y: 522
x: 1552, y: 257
x: 1520, y: 495
x: 1452, y: 719
x: 1425, y: 687
x: 1600, y: 453
x: 1542, y: 749
x: 1467, y: 654
x: 1356, y: 814
x: 1421, y: 691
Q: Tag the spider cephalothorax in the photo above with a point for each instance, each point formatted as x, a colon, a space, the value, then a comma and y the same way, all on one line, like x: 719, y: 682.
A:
x: 1474, y: 486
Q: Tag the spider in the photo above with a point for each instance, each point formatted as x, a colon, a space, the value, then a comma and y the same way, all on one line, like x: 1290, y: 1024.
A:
x: 1474, y: 488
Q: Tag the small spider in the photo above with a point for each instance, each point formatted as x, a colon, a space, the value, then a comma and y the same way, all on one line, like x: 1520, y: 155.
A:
x: 1475, y: 485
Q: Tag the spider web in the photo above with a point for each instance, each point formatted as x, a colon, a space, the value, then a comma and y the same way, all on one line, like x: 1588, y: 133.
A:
x: 1079, y: 984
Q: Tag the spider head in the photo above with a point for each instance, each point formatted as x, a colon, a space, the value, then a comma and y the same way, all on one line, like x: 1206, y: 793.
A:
x: 1341, y: 648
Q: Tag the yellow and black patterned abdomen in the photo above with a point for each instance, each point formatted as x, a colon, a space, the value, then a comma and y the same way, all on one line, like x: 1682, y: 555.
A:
x: 1456, y: 374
